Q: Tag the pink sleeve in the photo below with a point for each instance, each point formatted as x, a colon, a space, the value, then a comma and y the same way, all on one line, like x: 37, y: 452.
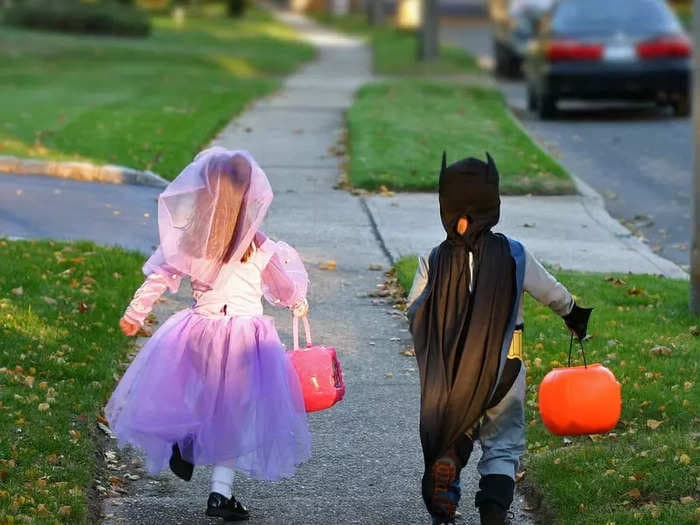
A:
x: 160, y: 277
x: 156, y: 264
x: 285, y: 281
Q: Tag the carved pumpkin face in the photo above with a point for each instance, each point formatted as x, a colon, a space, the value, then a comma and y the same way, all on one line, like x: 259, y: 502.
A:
x: 580, y: 400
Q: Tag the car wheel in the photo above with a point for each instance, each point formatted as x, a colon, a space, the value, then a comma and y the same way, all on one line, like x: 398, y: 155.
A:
x: 499, y: 54
x: 546, y: 106
x: 531, y: 99
x: 514, y: 66
x: 681, y: 106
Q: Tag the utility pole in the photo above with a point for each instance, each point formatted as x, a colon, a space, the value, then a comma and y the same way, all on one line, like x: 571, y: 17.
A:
x: 695, y: 235
x: 376, y: 12
x: 429, y: 43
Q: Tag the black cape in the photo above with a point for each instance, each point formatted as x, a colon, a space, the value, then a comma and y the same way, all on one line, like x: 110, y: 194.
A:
x: 459, y: 334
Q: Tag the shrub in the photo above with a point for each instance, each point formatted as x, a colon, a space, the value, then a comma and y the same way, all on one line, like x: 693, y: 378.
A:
x: 74, y: 16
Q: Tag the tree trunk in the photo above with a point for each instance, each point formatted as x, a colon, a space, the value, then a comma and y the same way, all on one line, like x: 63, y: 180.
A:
x: 376, y: 12
x: 236, y: 8
x: 429, y: 35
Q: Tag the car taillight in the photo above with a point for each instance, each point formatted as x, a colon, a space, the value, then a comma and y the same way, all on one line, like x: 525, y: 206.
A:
x: 665, y: 47
x: 567, y: 50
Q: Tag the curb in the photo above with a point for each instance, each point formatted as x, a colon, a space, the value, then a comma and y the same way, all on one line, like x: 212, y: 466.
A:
x: 81, y: 171
x: 594, y: 204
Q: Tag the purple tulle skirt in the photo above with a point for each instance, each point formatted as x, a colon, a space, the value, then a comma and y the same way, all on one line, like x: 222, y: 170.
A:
x: 222, y: 388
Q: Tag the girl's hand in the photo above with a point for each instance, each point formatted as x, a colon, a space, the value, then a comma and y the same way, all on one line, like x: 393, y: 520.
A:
x: 127, y: 327
x: 301, y: 309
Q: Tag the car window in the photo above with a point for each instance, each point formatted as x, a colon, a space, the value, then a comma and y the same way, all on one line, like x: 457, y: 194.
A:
x: 602, y: 17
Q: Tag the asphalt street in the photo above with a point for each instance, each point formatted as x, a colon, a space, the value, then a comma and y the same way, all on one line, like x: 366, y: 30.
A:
x: 639, y: 158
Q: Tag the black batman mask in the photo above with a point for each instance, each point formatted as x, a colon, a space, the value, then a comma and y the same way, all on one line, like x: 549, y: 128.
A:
x: 469, y: 188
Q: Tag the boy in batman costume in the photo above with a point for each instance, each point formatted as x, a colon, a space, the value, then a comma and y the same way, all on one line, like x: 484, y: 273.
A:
x: 466, y: 319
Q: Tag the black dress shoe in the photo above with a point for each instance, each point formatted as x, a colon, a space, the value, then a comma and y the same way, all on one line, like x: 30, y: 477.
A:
x: 181, y: 468
x: 220, y: 506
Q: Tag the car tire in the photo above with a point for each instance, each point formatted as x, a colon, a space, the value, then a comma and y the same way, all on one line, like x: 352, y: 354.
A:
x: 514, y: 66
x: 499, y: 55
x: 682, y: 106
x: 546, y: 106
x: 531, y: 99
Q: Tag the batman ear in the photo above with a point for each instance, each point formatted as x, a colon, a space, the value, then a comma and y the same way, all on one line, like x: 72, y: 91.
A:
x: 493, y: 171
x: 444, y: 161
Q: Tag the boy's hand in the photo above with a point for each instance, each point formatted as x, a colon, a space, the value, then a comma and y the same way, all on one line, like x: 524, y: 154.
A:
x: 127, y: 327
x: 577, y: 321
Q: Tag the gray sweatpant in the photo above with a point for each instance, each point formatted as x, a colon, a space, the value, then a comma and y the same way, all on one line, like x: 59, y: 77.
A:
x: 501, y: 432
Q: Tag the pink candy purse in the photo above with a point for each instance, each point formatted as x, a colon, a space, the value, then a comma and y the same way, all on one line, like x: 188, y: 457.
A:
x: 319, y: 371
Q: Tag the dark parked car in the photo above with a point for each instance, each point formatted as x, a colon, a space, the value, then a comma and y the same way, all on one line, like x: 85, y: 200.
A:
x: 514, y: 24
x: 609, y: 49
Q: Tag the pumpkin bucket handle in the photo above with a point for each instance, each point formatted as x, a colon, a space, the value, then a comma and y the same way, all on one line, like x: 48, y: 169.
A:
x: 583, y: 352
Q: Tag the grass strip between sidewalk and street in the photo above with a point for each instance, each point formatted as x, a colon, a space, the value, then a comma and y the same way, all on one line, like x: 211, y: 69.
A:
x: 395, y: 51
x: 148, y: 103
x: 647, y: 469
x: 398, y: 130
x: 61, y: 348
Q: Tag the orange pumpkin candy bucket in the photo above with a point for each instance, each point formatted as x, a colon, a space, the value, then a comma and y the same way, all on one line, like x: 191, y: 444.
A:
x: 576, y: 400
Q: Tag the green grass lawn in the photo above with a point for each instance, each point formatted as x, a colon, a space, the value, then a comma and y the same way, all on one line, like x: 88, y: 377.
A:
x: 145, y: 103
x: 395, y: 52
x: 398, y: 130
x: 647, y: 469
x: 59, y: 308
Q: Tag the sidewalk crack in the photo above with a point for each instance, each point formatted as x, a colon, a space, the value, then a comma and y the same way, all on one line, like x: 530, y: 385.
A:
x: 377, y: 233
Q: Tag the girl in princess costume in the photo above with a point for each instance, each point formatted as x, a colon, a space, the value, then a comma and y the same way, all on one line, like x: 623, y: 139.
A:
x: 214, y: 386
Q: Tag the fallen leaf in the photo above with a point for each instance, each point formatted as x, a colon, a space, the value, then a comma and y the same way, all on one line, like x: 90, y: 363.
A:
x: 43, y: 407
x: 82, y: 307
x: 684, y: 459
x: 388, y: 375
x: 376, y: 267
x: 107, y: 431
x: 49, y: 300
x: 329, y: 265
x: 143, y: 332
x: 635, y: 291
x: 634, y: 493
x: 519, y: 476
x: 653, y: 423
x: 65, y: 510
x: 685, y: 500
x: 660, y: 350
x: 409, y: 352
x: 42, y: 511
x: 18, y: 291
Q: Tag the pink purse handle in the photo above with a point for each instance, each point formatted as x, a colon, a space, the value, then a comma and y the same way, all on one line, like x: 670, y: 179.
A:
x: 295, y: 332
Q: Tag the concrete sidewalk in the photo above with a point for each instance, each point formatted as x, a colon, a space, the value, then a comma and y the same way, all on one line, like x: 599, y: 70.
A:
x: 570, y: 232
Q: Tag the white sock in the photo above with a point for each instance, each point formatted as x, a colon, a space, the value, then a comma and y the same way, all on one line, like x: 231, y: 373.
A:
x: 222, y: 480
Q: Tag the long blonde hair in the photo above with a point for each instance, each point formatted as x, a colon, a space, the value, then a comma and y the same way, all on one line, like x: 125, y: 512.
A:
x: 228, y: 180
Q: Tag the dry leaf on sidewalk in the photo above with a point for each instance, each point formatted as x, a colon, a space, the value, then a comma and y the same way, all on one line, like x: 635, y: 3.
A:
x: 329, y: 265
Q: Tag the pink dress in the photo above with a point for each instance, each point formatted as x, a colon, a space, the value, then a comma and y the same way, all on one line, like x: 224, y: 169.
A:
x: 215, y: 378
